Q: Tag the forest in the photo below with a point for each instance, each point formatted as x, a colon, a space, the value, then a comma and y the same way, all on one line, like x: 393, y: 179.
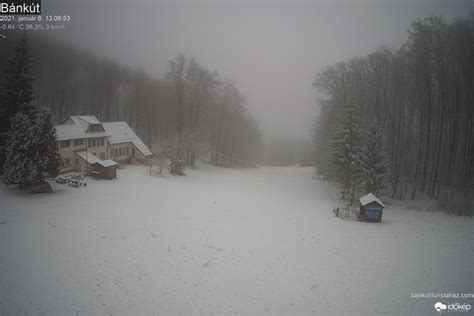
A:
x: 415, y: 104
x: 190, y: 101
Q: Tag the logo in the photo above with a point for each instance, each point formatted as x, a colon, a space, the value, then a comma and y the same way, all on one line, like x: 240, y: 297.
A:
x: 20, y: 7
x: 440, y: 307
x: 452, y: 307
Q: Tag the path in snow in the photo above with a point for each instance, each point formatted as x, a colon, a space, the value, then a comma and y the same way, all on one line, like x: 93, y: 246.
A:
x: 221, y: 241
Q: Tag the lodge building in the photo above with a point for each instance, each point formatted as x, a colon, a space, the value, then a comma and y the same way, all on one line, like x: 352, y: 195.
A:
x: 86, y: 144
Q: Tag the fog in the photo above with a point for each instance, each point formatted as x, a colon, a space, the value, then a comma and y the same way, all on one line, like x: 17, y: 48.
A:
x: 135, y: 180
x: 271, y: 50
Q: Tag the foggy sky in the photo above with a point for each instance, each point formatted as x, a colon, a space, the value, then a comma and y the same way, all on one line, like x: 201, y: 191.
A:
x: 271, y: 50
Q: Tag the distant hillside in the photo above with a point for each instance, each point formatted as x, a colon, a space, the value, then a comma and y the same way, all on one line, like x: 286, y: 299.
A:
x: 73, y: 82
x: 70, y: 81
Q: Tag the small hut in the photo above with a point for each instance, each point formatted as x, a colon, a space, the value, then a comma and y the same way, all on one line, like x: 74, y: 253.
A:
x: 371, y: 208
x: 107, y: 169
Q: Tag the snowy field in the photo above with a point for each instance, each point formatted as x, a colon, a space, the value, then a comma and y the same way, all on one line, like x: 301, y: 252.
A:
x: 221, y: 241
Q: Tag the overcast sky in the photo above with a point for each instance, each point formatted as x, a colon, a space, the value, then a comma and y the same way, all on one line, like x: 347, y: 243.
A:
x: 271, y: 50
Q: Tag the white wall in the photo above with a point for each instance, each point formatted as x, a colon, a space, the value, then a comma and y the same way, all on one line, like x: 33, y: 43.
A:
x: 69, y: 152
x: 124, y: 157
x: 107, y: 150
x: 113, y: 148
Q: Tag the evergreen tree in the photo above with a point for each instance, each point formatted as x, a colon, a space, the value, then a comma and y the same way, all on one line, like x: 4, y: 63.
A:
x: 17, y: 84
x: 31, y: 149
x: 346, y: 149
x: 374, y: 159
x: 47, y: 149
x: 19, y: 165
x: 16, y: 89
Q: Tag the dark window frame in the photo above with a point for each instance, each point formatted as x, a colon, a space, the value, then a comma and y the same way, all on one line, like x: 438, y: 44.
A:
x: 78, y: 142
x: 65, y: 143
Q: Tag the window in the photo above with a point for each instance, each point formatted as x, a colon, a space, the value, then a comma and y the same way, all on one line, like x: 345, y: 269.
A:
x: 120, y: 151
x: 78, y: 142
x: 94, y: 143
x: 116, y: 152
x: 95, y: 128
x: 65, y: 143
x: 89, y: 143
x: 102, y: 141
x: 127, y: 150
x: 102, y: 156
x: 67, y: 162
x: 77, y: 162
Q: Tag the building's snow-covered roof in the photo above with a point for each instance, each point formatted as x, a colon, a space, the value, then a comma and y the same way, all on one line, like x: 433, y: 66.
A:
x: 107, y: 163
x: 78, y: 127
x: 120, y: 132
x: 91, y: 119
x: 92, y: 159
x: 369, y: 198
x: 65, y: 132
x: 88, y: 156
x: 82, y: 121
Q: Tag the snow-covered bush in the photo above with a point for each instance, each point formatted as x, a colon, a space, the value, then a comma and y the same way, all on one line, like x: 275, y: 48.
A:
x: 176, y: 165
x: 172, y: 156
x: 162, y: 163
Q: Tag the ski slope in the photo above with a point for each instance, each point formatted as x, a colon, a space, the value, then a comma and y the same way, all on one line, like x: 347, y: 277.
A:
x: 221, y: 241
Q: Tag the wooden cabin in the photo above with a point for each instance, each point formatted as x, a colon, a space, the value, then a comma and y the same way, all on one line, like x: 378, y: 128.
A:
x: 371, y: 208
x: 107, y: 169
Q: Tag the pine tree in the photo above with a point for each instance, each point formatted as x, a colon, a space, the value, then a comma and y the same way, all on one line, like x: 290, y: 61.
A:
x: 17, y: 84
x: 16, y: 89
x: 346, y: 149
x: 31, y: 149
x: 19, y: 165
x: 374, y: 159
x: 47, y: 151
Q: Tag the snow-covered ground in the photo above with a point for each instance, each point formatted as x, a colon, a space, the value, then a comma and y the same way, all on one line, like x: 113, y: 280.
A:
x: 221, y: 241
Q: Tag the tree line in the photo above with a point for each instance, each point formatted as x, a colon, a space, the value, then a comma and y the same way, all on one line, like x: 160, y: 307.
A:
x: 190, y: 105
x: 211, y: 109
x: 415, y: 103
